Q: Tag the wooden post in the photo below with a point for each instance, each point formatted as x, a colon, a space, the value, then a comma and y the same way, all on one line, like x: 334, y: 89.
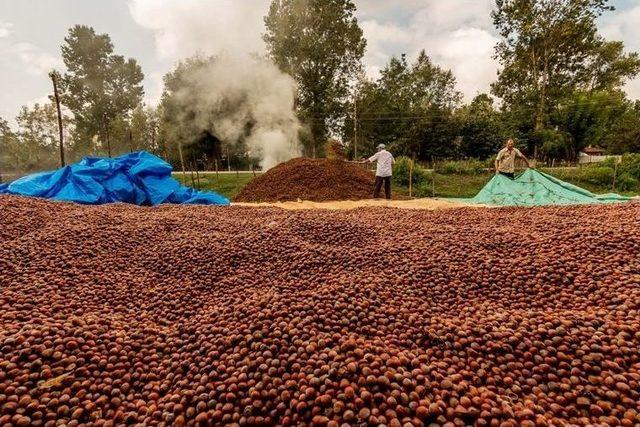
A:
x: 197, y: 174
x: 193, y: 181
x: 410, y: 177
x: 615, y: 173
x: 130, y: 141
x: 153, y: 138
x: 217, y: 176
x: 433, y: 177
x: 184, y: 174
x: 54, y: 80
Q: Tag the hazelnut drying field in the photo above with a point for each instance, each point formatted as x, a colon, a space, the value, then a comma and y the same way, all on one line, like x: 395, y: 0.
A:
x: 192, y: 315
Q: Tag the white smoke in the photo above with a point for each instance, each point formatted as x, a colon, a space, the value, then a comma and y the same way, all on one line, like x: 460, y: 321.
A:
x: 244, y: 100
x: 262, y: 95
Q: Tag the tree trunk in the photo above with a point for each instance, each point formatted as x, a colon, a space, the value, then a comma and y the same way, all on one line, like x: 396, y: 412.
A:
x: 153, y: 139
x: 543, y: 90
x: 60, y: 130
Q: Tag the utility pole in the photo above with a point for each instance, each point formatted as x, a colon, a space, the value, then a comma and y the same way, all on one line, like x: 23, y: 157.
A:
x: 53, y: 76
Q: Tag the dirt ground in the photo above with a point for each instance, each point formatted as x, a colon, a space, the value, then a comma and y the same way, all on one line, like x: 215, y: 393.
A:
x: 426, y: 203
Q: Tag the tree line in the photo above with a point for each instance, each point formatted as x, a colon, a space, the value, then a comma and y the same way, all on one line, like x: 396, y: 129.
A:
x: 558, y: 90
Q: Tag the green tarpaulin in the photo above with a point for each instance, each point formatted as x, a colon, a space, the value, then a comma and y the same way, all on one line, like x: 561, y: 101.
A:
x: 534, y: 188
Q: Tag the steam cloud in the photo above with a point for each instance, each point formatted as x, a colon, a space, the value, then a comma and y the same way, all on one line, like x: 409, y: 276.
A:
x: 260, y: 95
x: 245, y: 100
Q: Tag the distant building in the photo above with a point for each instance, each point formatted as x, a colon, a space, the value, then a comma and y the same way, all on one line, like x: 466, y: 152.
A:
x: 593, y: 151
x: 593, y: 154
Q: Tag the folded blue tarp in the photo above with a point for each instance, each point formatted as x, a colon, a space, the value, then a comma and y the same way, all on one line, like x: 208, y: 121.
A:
x: 139, y: 178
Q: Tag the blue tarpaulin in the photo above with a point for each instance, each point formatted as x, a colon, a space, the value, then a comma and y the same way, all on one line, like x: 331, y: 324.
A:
x: 139, y: 178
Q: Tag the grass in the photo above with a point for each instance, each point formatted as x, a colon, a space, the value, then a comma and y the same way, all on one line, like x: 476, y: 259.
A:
x: 227, y: 184
x: 446, y: 185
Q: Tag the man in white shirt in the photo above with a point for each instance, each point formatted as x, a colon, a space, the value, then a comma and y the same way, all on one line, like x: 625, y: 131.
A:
x: 506, y: 160
x: 384, y: 166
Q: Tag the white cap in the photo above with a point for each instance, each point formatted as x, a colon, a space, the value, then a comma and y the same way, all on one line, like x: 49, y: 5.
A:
x: 380, y: 147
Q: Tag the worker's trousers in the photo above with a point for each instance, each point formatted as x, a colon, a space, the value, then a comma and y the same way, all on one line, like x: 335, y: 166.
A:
x: 378, y: 186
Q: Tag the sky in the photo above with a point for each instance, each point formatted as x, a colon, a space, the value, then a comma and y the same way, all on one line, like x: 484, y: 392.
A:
x: 456, y: 34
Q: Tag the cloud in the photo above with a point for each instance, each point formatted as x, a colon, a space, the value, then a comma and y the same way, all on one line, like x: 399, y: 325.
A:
x: 623, y: 25
x: 184, y: 27
x: 456, y: 35
x: 5, y: 29
x: 36, y: 61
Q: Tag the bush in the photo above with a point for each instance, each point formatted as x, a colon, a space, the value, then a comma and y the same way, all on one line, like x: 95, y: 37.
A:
x: 423, y: 190
x: 401, y: 169
x: 630, y: 165
x: 461, y: 167
x: 627, y: 172
x: 597, y: 174
x: 626, y: 182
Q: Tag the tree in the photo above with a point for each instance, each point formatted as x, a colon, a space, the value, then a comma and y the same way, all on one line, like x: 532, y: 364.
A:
x: 320, y: 44
x: 179, y: 110
x: 37, y: 138
x: 410, y: 107
x: 624, y: 136
x: 6, y: 139
x: 99, y: 86
x: 585, y: 118
x: 482, y: 129
x: 551, y: 48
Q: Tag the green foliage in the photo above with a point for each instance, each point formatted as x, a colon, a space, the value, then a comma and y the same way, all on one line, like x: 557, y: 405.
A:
x: 585, y: 119
x: 34, y: 146
x: 98, y: 86
x: 7, y: 138
x: 461, y: 167
x: 601, y: 175
x: 551, y: 48
x: 631, y: 162
x: 624, y: 134
x: 226, y: 184
x: 402, y: 170
x: 553, y: 143
x: 409, y: 108
x: 598, y: 174
x: 320, y: 44
x: 626, y: 182
x: 481, y: 128
x: 630, y: 165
